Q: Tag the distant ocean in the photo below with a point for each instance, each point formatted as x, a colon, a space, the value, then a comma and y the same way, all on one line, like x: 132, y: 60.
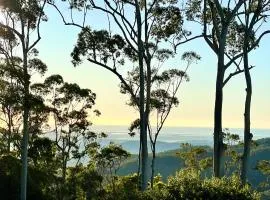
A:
x: 193, y: 135
x: 170, y: 138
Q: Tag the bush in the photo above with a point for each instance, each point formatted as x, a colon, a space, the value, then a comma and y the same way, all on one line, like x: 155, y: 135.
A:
x: 124, y: 188
x: 10, y: 169
x: 185, y: 185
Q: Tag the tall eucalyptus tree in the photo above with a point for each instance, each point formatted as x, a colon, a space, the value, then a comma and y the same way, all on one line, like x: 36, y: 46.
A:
x: 217, y: 19
x: 142, y: 27
x: 69, y: 106
x: 251, y: 26
x: 21, y: 19
x: 163, y: 97
x: 220, y: 28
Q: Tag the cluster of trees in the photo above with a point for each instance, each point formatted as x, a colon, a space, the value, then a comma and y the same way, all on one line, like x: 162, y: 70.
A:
x: 148, y: 34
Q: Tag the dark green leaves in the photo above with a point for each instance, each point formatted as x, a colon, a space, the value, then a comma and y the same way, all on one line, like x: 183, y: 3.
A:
x: 37, y: 65
x: 264, y: 167
x: 99, y: 46
x: 190, y: 57
x: 168, y: 21
x: 55, y: 79
x: 193, y: 10
x: 111, y: 157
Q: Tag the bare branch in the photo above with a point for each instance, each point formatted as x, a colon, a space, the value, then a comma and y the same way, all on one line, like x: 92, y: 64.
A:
x: 38, y: 29
x: 234, y: 74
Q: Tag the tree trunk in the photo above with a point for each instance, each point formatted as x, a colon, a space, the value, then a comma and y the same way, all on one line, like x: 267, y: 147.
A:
x: 218, y: 136
x: 139, y: 162
x: 9, y: 131
x: 64, y: 172
x: 147, y: 107
x: 218, y: 125
x: 153, y: 165
x: 143, y: 132
x: 247, y: 134
x: 26, y: 109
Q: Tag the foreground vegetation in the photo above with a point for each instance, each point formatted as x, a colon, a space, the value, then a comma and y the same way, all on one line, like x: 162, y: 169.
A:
x: 87, y: 183
x: 181, y: 174
x: 168, y: 163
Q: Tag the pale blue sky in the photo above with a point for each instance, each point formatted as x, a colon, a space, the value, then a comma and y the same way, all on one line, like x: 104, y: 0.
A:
x: 196, y: 97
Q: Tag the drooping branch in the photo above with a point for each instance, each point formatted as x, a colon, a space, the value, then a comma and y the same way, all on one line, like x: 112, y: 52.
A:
x: 63, y: 18
x: 114, y: 71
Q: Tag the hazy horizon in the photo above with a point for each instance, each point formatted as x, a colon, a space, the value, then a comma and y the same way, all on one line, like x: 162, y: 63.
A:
x: 173, y: 126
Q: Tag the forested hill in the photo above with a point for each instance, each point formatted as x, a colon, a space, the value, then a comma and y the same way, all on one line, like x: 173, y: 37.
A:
x: 167, y: 163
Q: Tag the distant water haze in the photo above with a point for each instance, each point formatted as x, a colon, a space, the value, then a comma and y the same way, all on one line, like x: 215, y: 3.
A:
x: 170, y: 137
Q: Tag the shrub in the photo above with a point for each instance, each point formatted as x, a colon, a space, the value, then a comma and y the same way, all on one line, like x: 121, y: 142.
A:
x: 188, y: 184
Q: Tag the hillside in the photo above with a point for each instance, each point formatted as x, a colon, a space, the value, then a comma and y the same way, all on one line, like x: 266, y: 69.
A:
x: 167, y: 163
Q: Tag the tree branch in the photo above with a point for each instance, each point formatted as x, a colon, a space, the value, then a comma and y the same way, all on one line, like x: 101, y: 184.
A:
x: 234, y: 74
x: 122, y: 80
x: 38, y: 28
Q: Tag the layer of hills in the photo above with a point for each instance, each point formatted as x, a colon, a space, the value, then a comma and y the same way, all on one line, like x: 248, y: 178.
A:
x: 167, y: 162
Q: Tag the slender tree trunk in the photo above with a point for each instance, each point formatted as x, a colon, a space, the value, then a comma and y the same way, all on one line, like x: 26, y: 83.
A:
x: 247, y: 134
x: 9, y: 131
x: 147, y: 109
x: 218, y: 124
x: 143, y: 122
x: 64, y: 172
x: 143, y: 132
x: 139, y: 162
x: 218, y: 137
x: 26, y: 109
x: 153, y: 164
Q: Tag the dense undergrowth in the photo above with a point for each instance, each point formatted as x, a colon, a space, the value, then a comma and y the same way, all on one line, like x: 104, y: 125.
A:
x: 87, y: 183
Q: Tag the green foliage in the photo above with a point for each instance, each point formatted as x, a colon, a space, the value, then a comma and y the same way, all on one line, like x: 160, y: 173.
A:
x: 91, y: 183
x: 187, y: 184
x: 264, y: 167
x: 42, y: 153
x: 83, y: 182
x: 100, y: 46
x: 125, y: 188
x: 69, y: 105
x: 29, y: 11
x: 168, y: 162
x: 108, y: 161
x: 233, y: 157
x: 111, y: 157
x: 194, y: 157
x: 38, y: 180
x: 168, y: 21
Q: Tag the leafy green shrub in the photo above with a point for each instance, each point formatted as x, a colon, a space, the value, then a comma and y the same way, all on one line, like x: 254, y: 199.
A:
x: 187, y: 184
x: 125, y: 187
x: 10, y: 180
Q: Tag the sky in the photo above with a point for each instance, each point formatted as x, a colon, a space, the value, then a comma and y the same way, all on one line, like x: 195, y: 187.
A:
x: 196, y: 97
